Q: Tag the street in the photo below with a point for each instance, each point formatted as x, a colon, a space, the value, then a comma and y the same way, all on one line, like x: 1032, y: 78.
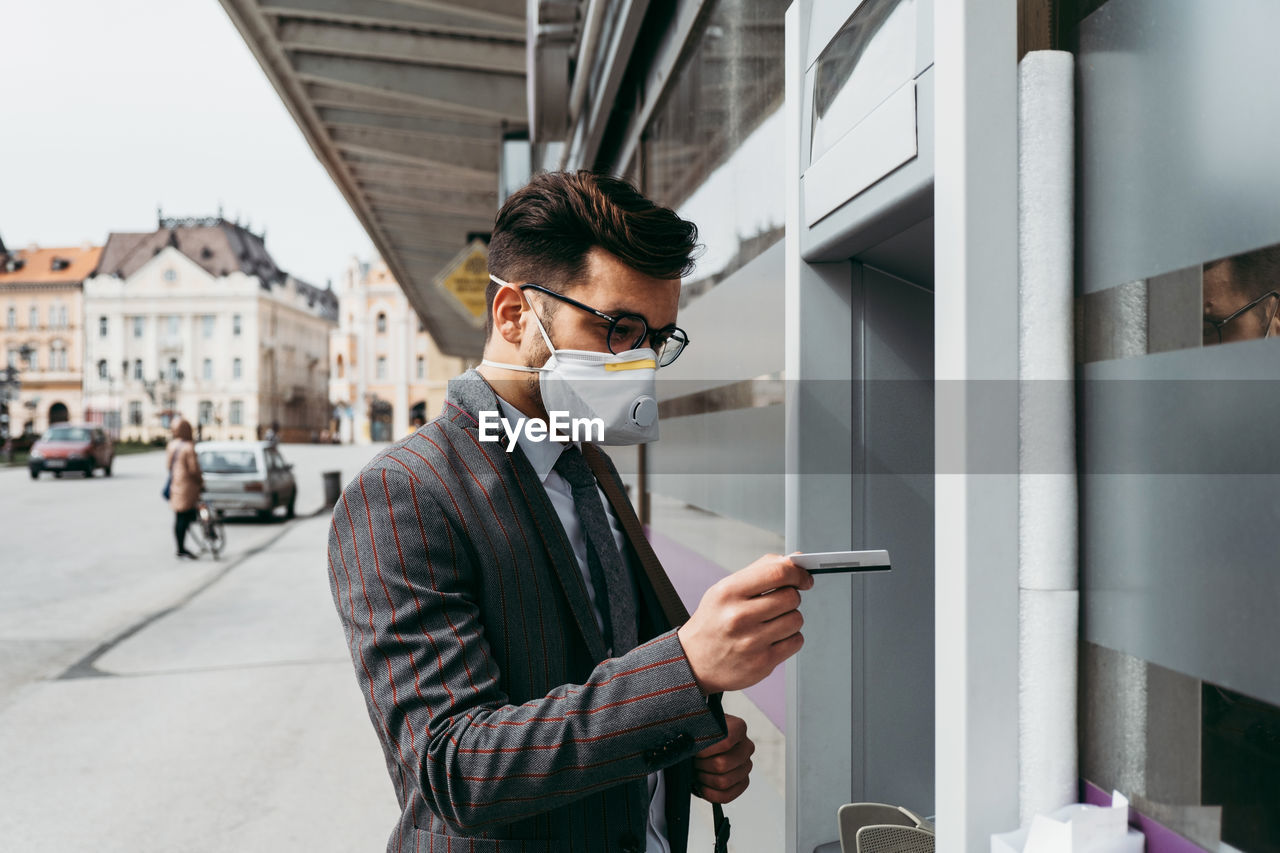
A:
x: 148, y: 703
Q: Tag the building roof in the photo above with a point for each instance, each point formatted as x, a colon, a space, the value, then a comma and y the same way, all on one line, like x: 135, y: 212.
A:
x: 219, y: 247
x: 322, y: 300
x: 35, y: 265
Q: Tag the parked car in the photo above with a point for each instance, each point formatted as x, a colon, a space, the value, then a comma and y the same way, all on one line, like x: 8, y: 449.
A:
x: 246, y: 476
x: 72, y: 447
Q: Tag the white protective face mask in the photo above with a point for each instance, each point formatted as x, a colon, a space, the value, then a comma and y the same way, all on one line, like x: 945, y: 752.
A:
x: 618, y: 389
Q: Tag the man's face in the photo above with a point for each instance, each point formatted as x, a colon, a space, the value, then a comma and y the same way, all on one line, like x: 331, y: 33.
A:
x: 611, y: 287
x: 1223, y: 297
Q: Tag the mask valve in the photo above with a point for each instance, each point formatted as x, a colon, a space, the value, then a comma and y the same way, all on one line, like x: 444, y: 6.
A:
x: 644, y: 412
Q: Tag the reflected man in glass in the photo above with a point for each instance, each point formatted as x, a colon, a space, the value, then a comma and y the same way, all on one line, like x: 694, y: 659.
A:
x: 1241, y: 299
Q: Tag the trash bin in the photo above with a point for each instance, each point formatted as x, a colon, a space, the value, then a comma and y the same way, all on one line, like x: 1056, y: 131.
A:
x: 332, y: 487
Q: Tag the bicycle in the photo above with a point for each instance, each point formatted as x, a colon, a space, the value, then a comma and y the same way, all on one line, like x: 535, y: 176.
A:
x: 207, y: 533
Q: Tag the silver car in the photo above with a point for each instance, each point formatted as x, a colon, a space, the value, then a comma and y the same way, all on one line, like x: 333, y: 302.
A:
x: 246, y: 475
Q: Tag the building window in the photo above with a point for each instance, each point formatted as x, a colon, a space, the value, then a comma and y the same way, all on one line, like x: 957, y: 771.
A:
x: 206, y: 369
x: 33, y: 359
x: 173, y: 370
x: 33, y: 318
x: 102, y: 327
x: 139, y: 325
x: 339, y: 368
x: 422, y: 367
x: 237, y: 413
x: 237, y: 368
x: 206, y: 325
x: 382, y: 367
x: 102, y: 369
x: 170, y: 275
x: 135, y: 413
x: 62, y: 316
x: 13, y: 357
x: 173, y: 325
x: 235, y: 325
x: 12, y: 321
x: 53, y: 316
x: 206, y: 412
x: 57, y: 356
x: 137, y: 368
x: 382, y: 322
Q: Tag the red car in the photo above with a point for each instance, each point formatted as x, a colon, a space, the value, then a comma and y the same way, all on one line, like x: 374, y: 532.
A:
x: 72, y: 447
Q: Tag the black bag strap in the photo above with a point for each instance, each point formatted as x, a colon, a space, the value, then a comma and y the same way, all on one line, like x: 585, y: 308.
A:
x: 672, y: 607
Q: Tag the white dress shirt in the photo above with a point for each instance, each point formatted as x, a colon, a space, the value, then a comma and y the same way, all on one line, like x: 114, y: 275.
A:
x: 542, y: 456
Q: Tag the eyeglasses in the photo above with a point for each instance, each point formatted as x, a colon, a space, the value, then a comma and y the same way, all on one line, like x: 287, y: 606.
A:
x: 630, y: 331
x: 1213, y: 328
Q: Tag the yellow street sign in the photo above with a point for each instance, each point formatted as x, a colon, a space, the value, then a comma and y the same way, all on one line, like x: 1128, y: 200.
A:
x: 465, y: 279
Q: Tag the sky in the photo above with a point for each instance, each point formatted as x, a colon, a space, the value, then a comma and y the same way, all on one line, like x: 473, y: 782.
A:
x: 112, y: 108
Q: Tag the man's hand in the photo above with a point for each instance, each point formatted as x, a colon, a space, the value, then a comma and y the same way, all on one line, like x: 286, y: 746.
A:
x: 722, y: 770
x: 746, y: 625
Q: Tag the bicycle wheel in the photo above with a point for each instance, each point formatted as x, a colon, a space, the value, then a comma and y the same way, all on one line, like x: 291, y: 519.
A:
x: 198, y: 538
x: 215, y: 535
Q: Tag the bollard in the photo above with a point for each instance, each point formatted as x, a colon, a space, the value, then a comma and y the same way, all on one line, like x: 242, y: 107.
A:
x: 332, y: 487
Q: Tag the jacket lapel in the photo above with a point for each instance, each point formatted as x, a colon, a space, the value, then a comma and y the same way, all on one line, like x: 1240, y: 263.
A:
x: 471, y: 393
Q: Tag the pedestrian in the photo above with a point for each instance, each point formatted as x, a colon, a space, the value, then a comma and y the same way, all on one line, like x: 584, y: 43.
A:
x: 186, y: 483
x: 508, y: 621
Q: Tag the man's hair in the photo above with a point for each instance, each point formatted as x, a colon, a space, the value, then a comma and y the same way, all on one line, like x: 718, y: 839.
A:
x: 546, y: 229
x: 1253, y: 273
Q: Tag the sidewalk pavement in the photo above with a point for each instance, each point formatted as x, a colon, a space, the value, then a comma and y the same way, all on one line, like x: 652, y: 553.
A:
x: 232, y: 723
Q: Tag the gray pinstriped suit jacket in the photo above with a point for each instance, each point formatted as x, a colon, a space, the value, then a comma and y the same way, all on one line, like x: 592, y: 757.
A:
x: 503, y: 725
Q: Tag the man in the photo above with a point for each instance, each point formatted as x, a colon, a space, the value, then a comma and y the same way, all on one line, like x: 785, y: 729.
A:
x: 526, y: 688
x: 1242, y: 297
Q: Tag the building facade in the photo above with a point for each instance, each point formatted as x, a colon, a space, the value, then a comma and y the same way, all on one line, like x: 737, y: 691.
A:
x: 386, y: 371
x: 196, y: 319
x: 42, y: 334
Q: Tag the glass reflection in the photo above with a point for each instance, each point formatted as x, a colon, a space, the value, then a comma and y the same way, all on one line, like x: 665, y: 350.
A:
x: 1240, y: 300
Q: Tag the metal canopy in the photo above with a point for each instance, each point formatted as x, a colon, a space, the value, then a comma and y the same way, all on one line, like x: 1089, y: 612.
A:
x: 406, y: 103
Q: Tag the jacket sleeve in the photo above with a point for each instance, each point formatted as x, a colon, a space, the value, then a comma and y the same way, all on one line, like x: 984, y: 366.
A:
x: 401, y: 578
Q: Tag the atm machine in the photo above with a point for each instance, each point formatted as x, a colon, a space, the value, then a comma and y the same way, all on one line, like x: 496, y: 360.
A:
x: 860, y: 412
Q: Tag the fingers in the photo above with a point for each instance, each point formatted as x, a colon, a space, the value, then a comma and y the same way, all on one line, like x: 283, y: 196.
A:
x: 721, y: 788
x: 774, y: 603
x: 736, y: 732
x: 768, y: 573
x: 723, y: 776
x: 713, y: 795
x: 784, y: 626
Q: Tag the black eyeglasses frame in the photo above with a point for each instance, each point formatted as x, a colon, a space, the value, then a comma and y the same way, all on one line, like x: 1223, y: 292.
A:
x: 647, y: 335
x: 1218, y: 324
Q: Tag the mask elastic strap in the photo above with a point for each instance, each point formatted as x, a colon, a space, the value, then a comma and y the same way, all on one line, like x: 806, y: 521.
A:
x: 506, y: 366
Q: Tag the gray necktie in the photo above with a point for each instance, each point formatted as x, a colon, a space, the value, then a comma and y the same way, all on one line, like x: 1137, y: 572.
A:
x: 609, y: 575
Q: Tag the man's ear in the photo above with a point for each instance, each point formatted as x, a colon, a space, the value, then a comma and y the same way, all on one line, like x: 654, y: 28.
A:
x: 508, y: 312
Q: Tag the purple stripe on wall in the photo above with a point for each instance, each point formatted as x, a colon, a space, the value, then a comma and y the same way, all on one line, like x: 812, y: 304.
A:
x: 1160, y: 839
x: 692, y: 575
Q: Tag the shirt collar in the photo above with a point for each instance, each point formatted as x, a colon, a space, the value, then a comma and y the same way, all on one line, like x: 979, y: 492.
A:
x: 542, y: 455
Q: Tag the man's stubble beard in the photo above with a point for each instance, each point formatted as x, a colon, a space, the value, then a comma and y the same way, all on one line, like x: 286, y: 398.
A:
x: 537, y: 357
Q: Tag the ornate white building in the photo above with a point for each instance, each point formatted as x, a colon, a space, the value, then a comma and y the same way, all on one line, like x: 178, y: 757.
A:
x: 195, y: 318
x: 385, y: 370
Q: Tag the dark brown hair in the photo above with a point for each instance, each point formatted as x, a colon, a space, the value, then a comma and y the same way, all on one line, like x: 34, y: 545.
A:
x: 546, y: 229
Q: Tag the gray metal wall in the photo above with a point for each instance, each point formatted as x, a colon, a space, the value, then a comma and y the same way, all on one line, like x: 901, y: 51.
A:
x: 893, y: 509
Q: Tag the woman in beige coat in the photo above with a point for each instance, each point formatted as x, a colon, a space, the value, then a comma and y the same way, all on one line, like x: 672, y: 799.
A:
x: 186, y: 485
